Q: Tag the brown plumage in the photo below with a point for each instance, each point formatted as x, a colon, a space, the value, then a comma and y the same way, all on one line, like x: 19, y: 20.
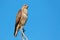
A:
x: 21, y: 19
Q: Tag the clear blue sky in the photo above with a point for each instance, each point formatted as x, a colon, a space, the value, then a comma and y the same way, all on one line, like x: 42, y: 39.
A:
x: 43, y: 19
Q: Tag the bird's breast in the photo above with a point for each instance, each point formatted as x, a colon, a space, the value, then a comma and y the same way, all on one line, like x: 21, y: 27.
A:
x: 23, y: 19
x: 25, y: 11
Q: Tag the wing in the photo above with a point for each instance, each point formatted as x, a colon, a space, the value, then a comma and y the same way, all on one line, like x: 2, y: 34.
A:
x: 17, y: 20
x: 18, y: 16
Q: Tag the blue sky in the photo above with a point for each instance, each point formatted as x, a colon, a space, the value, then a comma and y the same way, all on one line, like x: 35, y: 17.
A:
x: 43, y: 19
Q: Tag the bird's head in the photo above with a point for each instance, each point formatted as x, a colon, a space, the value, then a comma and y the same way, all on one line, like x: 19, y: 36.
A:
x: 25, y: 6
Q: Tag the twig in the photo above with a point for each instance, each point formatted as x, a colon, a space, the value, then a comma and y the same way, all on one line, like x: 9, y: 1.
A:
x: 24, y: 36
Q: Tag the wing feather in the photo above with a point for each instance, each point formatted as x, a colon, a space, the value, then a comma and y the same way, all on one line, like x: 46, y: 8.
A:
x: 18, y: 17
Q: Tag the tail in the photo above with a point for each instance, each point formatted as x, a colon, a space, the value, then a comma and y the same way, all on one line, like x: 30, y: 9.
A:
x: 16, y: 29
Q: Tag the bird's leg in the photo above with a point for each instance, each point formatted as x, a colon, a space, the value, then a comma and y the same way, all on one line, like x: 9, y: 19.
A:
x: 23, y: 30
x: 23, y: 34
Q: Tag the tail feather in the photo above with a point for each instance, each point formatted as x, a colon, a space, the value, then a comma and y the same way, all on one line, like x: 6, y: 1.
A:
x: 16, y: 30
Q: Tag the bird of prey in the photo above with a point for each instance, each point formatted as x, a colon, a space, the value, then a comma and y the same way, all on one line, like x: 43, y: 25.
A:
x: 21, y: 19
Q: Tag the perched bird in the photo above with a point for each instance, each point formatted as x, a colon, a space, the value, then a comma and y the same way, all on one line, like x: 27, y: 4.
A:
x: 21, y: 19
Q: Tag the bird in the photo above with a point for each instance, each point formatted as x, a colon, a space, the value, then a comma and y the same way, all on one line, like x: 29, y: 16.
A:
x: 21, y: 19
